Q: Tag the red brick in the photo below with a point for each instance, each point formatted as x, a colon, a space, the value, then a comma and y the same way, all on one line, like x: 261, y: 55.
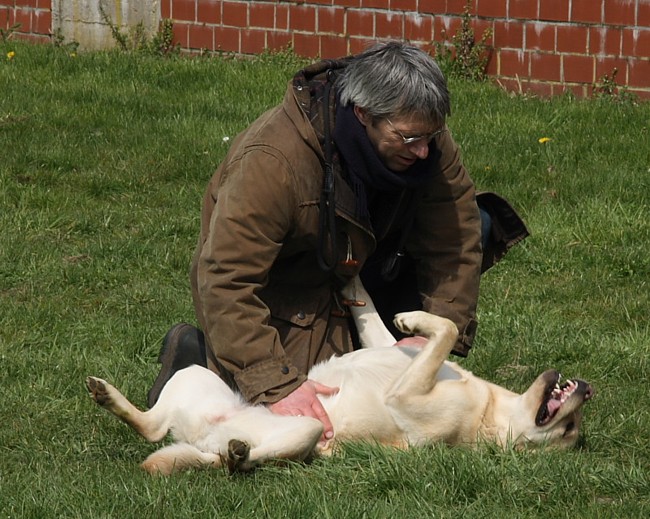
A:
x: 23, y: 17
x: 513, y: 63
x: 457, y: 6
x: 261, y: 14
x: 184, y: 10
x: 333, y: 46
x: 42, y: 22
x: 404, y: 5
x: 418, y: 27
x: 578, y: 69
x: 433, y: 6
x: 375, y: 4
x: 25, y: 3
x: 282, y: 17
x: 526, y: 9
x: 389, y: 24
x: 165, y: 8
x: 572, y: 38
x: 306, y: 45
x: 349, y: 3
x: 226, y: 39
x: 643, y: 14
x: 636, y: 42
x: 331, y: 20
x: 44, y: 4
x: 546, y: 67
x: 639, y: 73
x: 235, y: 14
x: 278, y: 40
x: 554, y: 10
x: 589, y: 11
x: 209, y: 11
x: 201, y: 37
x: 620, y: 12
x: 492, y: 8
x: 181, y: 34
x: 360, y: 23
x: 357, y: 45
x: 5, y: 16
x: 605, y: 41
x: 445, y: 27
x: 302, y: 18
x: 7, y: 3
x: 508, y: 35
x: 253, y: 41
x: 540, y: 36
x: 538, y: 88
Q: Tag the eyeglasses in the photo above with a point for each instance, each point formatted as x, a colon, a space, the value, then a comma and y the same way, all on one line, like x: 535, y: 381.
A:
x: 410, y: 140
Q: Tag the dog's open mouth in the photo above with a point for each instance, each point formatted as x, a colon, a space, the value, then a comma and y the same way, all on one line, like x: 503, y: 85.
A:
x: 555, y: 395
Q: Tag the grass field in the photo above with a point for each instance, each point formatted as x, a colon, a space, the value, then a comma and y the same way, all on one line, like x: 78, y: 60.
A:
x: 103, y: 161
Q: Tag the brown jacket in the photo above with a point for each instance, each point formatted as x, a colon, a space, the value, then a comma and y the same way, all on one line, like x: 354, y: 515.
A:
x: 260, y: 296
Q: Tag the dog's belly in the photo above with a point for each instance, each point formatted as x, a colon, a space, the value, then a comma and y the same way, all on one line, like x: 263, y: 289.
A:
x: 358, y: 410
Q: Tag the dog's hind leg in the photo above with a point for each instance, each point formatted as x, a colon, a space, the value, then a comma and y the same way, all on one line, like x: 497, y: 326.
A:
x: 372, y: 330
x: 151, y: 424
x: 177, y: 457
x: 419, y: 378
x: 285, y: 438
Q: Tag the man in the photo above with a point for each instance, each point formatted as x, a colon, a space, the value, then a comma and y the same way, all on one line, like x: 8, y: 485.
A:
x: 355, y: 172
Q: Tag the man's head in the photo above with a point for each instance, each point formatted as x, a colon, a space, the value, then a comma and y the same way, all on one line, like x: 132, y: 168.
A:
x: 400, y: 95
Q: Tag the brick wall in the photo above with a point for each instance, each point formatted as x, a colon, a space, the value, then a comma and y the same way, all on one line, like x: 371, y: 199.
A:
x: 544, y: 46
x: 33, y: 16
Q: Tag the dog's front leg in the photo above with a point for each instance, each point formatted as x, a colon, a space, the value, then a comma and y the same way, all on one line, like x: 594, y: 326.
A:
x: 372, y: 330
x: 419, y: 378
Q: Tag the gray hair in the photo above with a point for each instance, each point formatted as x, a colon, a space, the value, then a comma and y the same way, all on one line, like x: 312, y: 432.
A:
x: 394, y: 79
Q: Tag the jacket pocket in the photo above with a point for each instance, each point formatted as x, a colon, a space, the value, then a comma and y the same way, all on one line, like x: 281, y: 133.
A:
x: 297, y: 307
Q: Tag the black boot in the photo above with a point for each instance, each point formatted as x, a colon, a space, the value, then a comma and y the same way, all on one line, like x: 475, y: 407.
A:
x: 183, y: 346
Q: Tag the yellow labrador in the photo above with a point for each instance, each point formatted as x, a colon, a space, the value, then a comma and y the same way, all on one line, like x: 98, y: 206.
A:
x: 398, y: 396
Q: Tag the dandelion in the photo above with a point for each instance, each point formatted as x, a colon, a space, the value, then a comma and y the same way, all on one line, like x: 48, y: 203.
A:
x: 10, y: 55
x: 544, y: 140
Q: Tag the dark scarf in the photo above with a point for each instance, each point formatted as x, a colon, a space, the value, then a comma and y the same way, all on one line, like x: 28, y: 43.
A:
x: 367, y: 173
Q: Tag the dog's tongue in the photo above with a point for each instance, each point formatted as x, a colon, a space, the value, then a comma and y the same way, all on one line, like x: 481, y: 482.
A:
x: 552, y: 406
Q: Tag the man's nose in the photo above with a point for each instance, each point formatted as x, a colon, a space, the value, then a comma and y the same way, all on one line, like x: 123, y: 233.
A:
x: 420, y: 148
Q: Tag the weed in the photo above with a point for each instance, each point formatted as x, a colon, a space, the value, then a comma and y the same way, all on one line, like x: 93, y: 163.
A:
x: 136, y: 38
x: 465, y: 56
x: 608, y: 89
x: 6, y: 34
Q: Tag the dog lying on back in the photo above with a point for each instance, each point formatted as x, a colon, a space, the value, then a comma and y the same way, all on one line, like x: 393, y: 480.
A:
x: 399, y: 396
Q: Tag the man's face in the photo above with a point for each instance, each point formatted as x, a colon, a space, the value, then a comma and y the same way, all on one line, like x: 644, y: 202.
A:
x: 387, y: 137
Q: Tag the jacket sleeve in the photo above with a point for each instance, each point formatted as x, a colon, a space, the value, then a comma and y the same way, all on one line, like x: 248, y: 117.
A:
x: 252, y: 214
x: 446, y: 243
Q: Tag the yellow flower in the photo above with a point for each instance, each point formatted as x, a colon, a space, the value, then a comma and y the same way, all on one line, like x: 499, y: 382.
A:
x: 544, y: 140
x: 11, y: 54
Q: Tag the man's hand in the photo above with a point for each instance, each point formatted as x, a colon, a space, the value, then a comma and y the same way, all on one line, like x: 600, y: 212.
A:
x: 304, y: 402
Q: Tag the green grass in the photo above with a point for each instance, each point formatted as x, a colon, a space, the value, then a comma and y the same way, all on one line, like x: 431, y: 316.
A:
x: 104, y: 158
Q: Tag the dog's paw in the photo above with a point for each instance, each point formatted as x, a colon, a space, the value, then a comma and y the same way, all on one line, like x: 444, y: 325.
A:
x: 238, y: 453
x: 97, y: 388
x: 423, y: 323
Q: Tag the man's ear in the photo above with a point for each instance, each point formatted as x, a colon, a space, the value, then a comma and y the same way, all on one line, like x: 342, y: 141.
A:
x: 362, y: 115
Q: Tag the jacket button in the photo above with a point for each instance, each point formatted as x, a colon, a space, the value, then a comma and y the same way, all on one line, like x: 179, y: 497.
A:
x: 285, y: 370
x: 300, y: 315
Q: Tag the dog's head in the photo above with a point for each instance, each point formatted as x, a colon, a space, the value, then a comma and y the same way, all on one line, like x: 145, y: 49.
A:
x: 553, y: 410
